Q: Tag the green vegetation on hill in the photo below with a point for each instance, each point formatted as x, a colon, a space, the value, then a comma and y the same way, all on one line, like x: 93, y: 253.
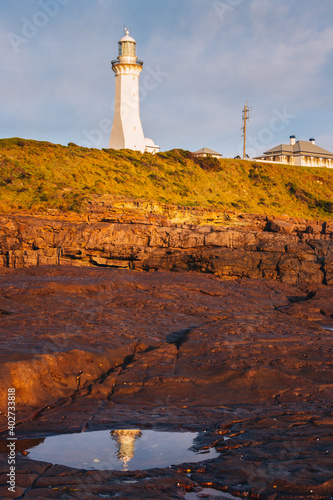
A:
x: 37, y: 176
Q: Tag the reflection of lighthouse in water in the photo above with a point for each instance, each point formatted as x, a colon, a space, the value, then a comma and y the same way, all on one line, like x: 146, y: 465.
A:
x: 126, y: 443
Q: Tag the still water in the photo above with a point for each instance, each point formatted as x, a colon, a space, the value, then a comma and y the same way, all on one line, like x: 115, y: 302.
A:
x: 120, y: 449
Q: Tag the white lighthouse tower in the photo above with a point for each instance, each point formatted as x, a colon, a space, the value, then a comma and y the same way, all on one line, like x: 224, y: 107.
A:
x: 127, y: 129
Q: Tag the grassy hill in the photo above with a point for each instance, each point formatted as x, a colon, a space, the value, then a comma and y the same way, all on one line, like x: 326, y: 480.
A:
x: 36, y: 176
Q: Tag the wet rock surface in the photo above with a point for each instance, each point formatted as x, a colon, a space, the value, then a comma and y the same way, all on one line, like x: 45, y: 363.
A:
x: 245, y: 363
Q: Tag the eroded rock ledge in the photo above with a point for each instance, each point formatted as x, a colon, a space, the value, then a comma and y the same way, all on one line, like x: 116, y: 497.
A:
x: 293, y: 251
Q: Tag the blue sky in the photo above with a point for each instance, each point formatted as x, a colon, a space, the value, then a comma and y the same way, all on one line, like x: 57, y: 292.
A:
x: 202, y: 60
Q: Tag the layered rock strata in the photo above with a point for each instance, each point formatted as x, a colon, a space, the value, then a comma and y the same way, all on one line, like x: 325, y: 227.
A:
x: 291, y: 251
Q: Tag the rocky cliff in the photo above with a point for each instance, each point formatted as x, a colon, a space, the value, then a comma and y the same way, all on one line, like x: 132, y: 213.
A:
x: 290, y: 250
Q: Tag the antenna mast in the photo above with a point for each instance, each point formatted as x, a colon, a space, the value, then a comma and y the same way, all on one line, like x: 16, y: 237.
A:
x: 246, y: 116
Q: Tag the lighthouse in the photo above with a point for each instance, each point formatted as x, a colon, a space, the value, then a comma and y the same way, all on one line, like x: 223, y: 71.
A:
x: 127, y: 129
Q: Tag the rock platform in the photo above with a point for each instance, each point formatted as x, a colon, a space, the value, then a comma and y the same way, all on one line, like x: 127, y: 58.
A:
x: 246, y: 363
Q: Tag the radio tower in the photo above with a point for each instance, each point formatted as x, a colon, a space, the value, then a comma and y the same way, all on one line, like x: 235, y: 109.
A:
x: 246, y: 116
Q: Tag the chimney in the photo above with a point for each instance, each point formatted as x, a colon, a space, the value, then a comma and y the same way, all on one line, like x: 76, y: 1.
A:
x: 313, y: 141
x: 292, y: 140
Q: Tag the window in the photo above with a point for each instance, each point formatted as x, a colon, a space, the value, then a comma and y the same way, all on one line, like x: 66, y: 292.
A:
x: 127, y: 49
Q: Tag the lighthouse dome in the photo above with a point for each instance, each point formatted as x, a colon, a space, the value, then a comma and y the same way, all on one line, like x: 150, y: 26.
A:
x: 127, y: 38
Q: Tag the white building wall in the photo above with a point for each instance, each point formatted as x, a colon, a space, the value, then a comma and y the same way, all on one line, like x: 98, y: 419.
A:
x: 298, y: 160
